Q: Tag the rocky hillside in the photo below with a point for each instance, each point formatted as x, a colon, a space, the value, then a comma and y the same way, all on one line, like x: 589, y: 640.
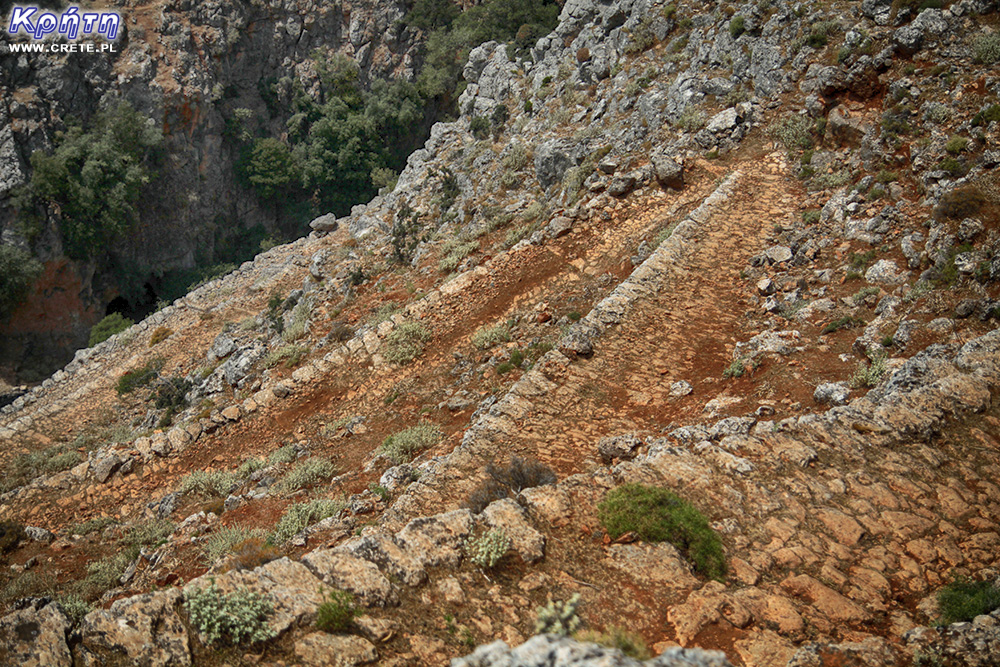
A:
x: 192, y: 68
x: 735, y: 268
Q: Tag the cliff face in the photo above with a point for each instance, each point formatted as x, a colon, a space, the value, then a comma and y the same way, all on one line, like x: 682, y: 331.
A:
x: 750, y: 257
x: 187, y: 65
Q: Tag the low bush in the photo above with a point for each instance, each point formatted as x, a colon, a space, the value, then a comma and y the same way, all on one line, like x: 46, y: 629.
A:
x: 300, y: 516
x: 869, y: 375
x: 960, y: 203
x: 454, y: 252
x: 75, y: 608
x: 92, y: 525
x: 735, y: 369
x: 986, y: 48
x: 956, y: 144
x: 793, y: 132
x: 488, y: 549
x: 613, y: 636
x: 559, y: 617
x: 846, y: 322
x: 290, y: 355
x: 249, y: 554
x: 405, y: 343
x: 239, y: 616
x: 862, y: 294
x: 209, y: 484
x: 337, y: 613
x: 223, y: 541
x: 489, y: 336
x: 160, y: 335
x: 480, y: 127
x: 990, y: 114
x: 307, y: 473
x: 139, y: 377
x: 658, y: 515
x: 108, y: 327
x: 962, y: 600
x: 737, y: 26
x: 284, y: 454
x: 401, y: 446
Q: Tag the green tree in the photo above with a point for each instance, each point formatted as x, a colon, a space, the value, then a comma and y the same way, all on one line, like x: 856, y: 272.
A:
x: 270, y: 168
x: 95, y: 179
x: 18, y: 270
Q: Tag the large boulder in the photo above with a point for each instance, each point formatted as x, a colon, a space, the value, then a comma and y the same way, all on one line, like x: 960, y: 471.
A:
x: 142, y: 630
x: 35, y: 637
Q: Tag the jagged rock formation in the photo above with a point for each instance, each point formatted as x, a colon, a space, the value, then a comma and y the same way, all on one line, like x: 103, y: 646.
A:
x: 811, y: 362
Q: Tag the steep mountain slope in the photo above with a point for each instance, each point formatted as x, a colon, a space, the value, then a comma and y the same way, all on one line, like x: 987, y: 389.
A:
x: 748, y: 256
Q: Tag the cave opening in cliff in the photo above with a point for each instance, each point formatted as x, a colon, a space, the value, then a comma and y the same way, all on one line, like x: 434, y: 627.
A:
x: 137, y: 308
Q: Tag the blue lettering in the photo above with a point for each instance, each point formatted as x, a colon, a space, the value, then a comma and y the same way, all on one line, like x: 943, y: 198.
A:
x: 46, y: 23
x: 109, y: 25
x: 21, y: 18
x: 90, y: 22
x: 69, y: 24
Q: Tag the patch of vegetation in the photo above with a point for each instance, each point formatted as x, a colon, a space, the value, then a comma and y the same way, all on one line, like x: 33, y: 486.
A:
x: 960, y: 203
x: 26, y: 467
x: 11, y: 535
x: 307, y: 473
x: 860, y: 261
x: 284, y: 454
x: 249, y: 554
x: 691, y: 119
x: 846, y: 322
x: 171, y: 396
x: 962, y: 600
x: 629, y: 643
x: 559, y: 617
x: 160, y: 335
x: 919, y: 289
x: 657, y: 515
x: 223, y: 541
x: 488, y: 549
x: 793, y: 132
x: 986, y: 48
x: 811, y: 217
x: 405, y: 343
x: 869, y: 375
x: 954, y: 167
x: 737, y: 26
x: 735, y: 369
x: 18, y: 272
x: 106, y: 328
x: 250, y: 466
x: 75, y: 608
x: 862, y: 294
x: 479, y: 127
x: 239, y: 616
x: 338, y: 612
x: 489, y: 336
x: 96, y: 179
x: 208, y: 484
x: 139, y: 377
x: 642, y: 37
x: 290, y: 355
x: 92, y: 525
x: 300, y: 516
x: 956, y: 144
x: 453, y: 252
x: 990, y: 114
x: 502, y: 481
x: 299, y: 318
x: 401, y: 446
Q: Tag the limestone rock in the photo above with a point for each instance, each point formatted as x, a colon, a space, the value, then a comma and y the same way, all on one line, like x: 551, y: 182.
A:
x: 145, y: 630
x: 437, y: 540
x: 35, y: 637
x: 353, y: 574
x: 321, y: 649
x: 507, y: 515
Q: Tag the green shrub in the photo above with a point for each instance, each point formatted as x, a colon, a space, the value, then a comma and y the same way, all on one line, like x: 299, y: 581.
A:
x: 960, y: 203
x: 160, y: 335
x: 285, y: 454
x: 691, y: 119
x: 962, y: 600
x: 106, y: 573
x: 250, y: 466
x: 75, y: 608
x: 810, y: 217
x: 862, y: 294
x: 735, y: 369
x: 793, y: 132
x: 25, y: 467
x: 405, y: 343
x: 503, y: 480
x: 210, y: 484
x: 307, y: 473
x: 956, y: 144
x: 987, y: 48
x: 489, y: 336
x: 737, y: 26
x: 296, y: 328
x: 290, y: 355
x: 401, y: 446
x: 453, y: 252
x: 139, y: 377
x: 238, y: 616
x: 108, y: 327
x: 517, y: 158
x: 869, y: 375
x: 223, y: 541
x: 613, y: 636
x: 559, y: 617
x: 92, y: 525
x: 480, y: 127
x: 96, y: 178
x: 300, y: 516
x: 846, y: 322
x: 860, y: 261
x: 337, y: 613
x: 486, y: 550
x: 148, y: 533
x: 991, y: 114
x: 657, y: 515
x: 18, y: 271
x: 11, y: 535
